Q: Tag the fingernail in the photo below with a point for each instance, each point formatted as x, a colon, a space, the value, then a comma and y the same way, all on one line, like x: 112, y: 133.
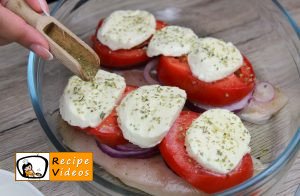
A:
x: 44, y: 7
x: 41, y: 51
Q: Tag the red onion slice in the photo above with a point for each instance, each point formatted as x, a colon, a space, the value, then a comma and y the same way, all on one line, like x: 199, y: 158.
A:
x: 128, y: 147
x: 150, y: 72
x: 142, y: 154
x: 264, y: 92
x: 258, y: 112
x: 235, y: 107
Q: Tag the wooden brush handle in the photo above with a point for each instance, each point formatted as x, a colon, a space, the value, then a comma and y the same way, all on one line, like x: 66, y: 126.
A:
x: 21, y: 8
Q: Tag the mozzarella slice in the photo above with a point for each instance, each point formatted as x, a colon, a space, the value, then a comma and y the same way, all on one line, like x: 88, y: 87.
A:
x: 217, y: 140
x: 146, y: 114
x: 86, y: 104
x: 125, y: 29
x: 172, y: 41
x: 214, y: 59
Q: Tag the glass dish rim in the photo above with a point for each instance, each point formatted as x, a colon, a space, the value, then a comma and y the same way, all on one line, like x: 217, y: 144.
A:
x: 274, y: 167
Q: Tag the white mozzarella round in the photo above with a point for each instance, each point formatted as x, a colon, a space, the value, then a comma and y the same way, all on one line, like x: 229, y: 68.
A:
x: 125, y: 29
x: 146, y: 114
x: 213, y: 59
x: 171, y: 41
x: 86, y: 104
x: 217, y: 140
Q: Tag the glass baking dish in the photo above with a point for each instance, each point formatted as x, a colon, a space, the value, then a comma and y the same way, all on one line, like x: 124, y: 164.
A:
x: 262, y: 29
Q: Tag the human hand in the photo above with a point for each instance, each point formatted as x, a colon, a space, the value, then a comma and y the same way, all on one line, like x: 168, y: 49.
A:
x: 14, y: 29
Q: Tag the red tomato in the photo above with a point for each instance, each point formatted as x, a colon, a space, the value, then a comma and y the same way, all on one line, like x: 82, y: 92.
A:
x: 173, y: 151
x: 108, y: 132
x: 122, y: 58
x: 176, y: 72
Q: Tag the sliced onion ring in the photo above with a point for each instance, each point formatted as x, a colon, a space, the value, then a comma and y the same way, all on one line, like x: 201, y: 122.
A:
x: 142, y: 154
x: 149, y: 71
x: 128, y: 147
x: 235, y: 107
x: 264, y: 92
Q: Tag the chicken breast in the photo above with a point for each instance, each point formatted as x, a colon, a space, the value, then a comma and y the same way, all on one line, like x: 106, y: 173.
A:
x: 149, y: 175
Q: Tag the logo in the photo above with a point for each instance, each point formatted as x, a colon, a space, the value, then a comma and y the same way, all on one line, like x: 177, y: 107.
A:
x: 32, y: 166
x: 54, y: 166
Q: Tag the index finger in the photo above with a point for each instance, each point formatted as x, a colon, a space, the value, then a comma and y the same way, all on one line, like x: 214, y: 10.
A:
x: 37, y: 5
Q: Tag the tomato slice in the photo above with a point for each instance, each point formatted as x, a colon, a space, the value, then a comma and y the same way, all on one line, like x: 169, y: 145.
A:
x: 122, y: 58
x: 172, y: 149
x: 176, y: 72
x: 108, y: 132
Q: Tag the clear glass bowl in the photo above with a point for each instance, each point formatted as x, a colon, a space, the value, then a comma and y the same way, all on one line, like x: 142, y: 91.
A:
x: 261, y: 29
